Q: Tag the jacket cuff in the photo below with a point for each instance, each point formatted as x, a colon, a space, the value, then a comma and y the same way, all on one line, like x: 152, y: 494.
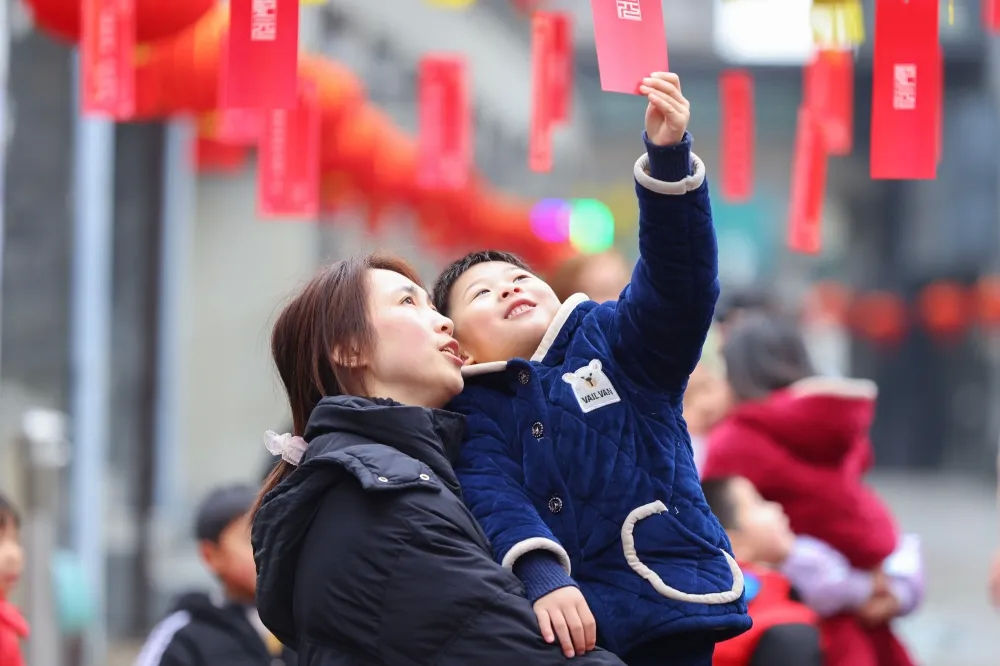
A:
x: 541, y: 573
x: 669, y: 163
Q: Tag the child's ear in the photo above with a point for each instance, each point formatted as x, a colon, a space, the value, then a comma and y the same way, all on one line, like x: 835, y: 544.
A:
x: 596, y: 365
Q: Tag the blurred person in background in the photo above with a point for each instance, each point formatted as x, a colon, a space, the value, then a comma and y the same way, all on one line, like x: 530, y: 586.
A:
x: 600, y: 276
x: 13, y: 627
x: 365, y: 552
x: 803, y: 442
x: 785, y: 631
x: 707, y: 398
x: 219, y: 630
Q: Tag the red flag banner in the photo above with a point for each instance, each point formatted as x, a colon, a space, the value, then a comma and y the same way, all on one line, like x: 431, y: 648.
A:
x: 737, y: 108
x: 445, y: 148
x: 808, y: 185
x: 829, y: 93
x: 561, y: 71
x: 107, y: 50
x: 288, y: 159
x: 542, y: 56
x: 630, y: 40
x: 907, y: 90
x: 991, y: 15
x: 262, y: 54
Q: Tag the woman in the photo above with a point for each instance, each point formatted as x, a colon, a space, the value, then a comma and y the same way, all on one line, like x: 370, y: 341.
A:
x: 365, y: 553
x: 803, y: 442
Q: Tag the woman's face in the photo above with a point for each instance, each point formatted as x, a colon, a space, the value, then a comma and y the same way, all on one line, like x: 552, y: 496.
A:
x: 416, y: 360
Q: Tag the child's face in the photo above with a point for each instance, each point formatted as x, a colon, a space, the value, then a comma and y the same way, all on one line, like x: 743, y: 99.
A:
x: 231, y: 560
x: 11, y: 558
x: 501, y: 311
x: 763, y: 534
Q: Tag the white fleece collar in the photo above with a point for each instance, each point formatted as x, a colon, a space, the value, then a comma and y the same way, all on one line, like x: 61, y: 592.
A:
x: 562, y: 315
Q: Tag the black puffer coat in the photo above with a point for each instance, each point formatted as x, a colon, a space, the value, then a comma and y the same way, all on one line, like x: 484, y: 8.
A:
x: 367, y: 556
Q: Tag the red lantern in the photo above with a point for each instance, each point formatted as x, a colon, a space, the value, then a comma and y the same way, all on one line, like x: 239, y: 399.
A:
x: 988, y: 301
x: 182, y: 74
x: 944, y: 310
x: 155, y: 19
x: 880, y: 317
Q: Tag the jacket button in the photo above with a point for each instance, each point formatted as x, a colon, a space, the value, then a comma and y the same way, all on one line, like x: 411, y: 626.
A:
x: 524, y: 377
x: 555, y: 505
x: 382, y: 479
x: 537, y: 429
x: 424, y: 477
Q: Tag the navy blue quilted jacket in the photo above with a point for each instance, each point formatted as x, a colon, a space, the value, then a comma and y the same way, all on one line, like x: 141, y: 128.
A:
x: 582, y: 451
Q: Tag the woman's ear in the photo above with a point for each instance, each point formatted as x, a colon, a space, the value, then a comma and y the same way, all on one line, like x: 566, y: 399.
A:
x: 347, y: 359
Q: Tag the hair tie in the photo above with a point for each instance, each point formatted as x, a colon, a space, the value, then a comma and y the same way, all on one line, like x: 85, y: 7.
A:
x: 290, y: 447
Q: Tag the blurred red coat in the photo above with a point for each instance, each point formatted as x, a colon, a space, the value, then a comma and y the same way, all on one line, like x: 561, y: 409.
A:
x: 13, y: 628
x: 807, y: 447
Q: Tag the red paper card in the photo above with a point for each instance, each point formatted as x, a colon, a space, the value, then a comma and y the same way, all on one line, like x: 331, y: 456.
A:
x: 907, y: 90
x: 107, y: 47
x: 829, y: 92
x: 808, y: 185
x: 991, y: 15
x: 561, y: 70
x: 542, y: 42
x: 631, y: 42
x: 288, y: 159
x: 262, y: 54
x: 445, y: 151
x: 736, y: 88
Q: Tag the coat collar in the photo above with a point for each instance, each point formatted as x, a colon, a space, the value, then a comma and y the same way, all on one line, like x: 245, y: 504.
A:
x: 348, y: 426
x: 551, y: 334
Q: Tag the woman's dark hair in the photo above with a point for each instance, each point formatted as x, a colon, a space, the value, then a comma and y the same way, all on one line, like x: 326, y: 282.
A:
x: 764, y: 353
x: 328, y: 318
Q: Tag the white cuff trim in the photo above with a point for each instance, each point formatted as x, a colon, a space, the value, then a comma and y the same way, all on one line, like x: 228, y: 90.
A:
x: 522, y: 548
x: 555, y: 327
x: 628, y: 545
x: 689, y: 184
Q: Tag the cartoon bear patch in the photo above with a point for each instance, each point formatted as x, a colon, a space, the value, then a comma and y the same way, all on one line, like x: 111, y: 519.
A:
x: 591, y: 387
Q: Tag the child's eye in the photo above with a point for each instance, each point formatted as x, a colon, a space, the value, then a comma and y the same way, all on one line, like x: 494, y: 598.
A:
x: 480, y: 293
x: 521, y: 277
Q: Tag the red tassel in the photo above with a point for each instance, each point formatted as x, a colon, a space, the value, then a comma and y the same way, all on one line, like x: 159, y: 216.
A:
x: 808, y: 185
x: 736, y: 87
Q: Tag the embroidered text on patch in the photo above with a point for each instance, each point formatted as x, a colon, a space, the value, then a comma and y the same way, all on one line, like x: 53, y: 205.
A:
x: 592, y: 387
x: 629, y: 10
x: 264, y: 20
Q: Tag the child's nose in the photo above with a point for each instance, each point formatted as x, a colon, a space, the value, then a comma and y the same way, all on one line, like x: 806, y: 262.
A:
x: 511, y: 289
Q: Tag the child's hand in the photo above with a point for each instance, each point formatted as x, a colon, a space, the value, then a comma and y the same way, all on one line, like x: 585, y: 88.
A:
x: 880, y: 609
x: 668, y: 112
x: 565, y: 614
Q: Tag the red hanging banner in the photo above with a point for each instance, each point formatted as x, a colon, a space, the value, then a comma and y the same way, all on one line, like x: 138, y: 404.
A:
x: 262, y: 54
x: 445, y: 151
x: 808, y: 185
x: 737, y: 109
x: 907, y: 90
x: 561, y: 71
x: 241, y: 127
x: 829, y: 93
x: 630, y: 41
x: 542, y: 57
x: 288, y: 159
x: 991, y: 15
x: 107, y: 50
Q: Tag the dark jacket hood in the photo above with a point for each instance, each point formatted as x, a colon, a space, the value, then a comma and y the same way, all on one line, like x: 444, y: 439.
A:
x: 386, y: 446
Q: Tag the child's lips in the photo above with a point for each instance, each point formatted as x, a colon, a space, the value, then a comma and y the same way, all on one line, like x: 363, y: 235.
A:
x: 518, y: 308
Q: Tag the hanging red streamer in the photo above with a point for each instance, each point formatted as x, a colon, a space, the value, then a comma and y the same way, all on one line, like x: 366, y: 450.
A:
x: 262, y: 55
x: 736, y: 89
x: 288, y: 159
x: 107, y: 66
x: 991, y: 15
x: 445, y: 151
x: 560, y: 73
x: 542, y: 57
x: 907, y: 90
x: 829, y: 93
x: 808, y: 185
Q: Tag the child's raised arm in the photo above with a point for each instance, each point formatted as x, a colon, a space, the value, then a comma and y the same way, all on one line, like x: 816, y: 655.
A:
x: 664, y: 314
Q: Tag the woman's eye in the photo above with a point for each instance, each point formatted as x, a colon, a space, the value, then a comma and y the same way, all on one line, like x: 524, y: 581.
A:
x: 408, y: 300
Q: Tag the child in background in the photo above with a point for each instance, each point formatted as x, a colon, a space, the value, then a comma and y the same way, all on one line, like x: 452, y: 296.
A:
x: 784, y: 631
x: 13, y: 627
x: 578, y: 461
x: 219, y: 631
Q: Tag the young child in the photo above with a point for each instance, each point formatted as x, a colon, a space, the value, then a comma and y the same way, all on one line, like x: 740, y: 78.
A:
x: 784, y: 631
x: 579, y: 456
x: 222, y: 631
x: 13, y: 627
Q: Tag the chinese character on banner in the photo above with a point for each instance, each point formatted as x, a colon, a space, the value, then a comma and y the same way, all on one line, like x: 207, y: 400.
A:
x: 107, y: 65
x: 262, y: 55
x: 629, y: 10
x: 288, y: 167
x: 904, y: 87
